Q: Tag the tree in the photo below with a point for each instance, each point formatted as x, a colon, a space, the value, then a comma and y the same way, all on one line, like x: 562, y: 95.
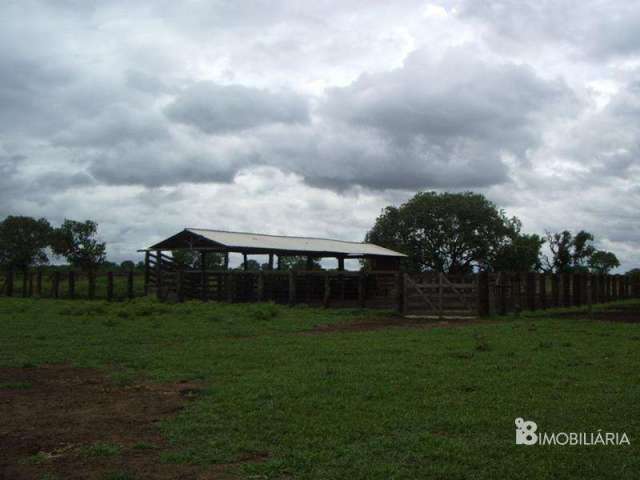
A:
x: 520, y: 254
x: 297, y: 263
x: 127, y: 265
x: 23, y: 242
x: 445, y: 232
x: 192, y: 259
x: 603, y: 262
x: 569, y: 253
x: 77, y: 242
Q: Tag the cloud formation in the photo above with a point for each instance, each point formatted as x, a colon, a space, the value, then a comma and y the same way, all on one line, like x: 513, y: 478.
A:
x: 281, y: 117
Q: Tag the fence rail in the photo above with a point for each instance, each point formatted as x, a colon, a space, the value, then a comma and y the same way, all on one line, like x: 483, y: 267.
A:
x: 430, y: 293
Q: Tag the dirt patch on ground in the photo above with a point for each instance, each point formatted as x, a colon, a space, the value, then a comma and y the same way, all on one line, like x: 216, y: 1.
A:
x: 396, y: 322
x: 624, y: 315
x: 71, y: 423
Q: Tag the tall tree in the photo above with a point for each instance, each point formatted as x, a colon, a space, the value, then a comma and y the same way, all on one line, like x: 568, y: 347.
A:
x: 446, y: 232
x: 569, y: 253
x: 77, y: 242
x: 603, y: 262
x: 520, y: 254
x: 23, y: 242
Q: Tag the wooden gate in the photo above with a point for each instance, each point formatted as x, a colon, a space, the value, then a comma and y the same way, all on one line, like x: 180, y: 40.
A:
x: 440, y: 295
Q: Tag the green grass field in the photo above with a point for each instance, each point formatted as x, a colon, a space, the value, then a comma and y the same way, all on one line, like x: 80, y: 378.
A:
x: 393, y: 403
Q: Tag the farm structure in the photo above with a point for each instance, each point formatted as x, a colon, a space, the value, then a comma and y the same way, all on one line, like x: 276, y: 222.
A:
x: 311, y: 286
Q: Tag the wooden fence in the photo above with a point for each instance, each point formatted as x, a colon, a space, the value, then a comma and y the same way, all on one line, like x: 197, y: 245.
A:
x: 428, y: 294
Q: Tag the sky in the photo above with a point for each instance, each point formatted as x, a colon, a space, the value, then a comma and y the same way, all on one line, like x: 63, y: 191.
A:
x: 308, y: 118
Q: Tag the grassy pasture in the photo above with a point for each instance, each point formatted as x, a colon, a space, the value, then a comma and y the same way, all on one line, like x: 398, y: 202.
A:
x: 399, y: 403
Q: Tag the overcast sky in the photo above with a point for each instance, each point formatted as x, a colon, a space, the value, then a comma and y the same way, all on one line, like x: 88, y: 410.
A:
x: 307, y: 118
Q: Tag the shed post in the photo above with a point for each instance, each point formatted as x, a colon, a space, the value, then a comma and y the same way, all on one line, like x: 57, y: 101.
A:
x: 271, y: 261
x: 231, y: 286
x: 245, y: 266
x: 260, y: 286
x: 309, y: 262
x: 226, y: 260
x: 159, y: 274
x: 341, y: 263
x: 180, y: 286
x: 361, y: 289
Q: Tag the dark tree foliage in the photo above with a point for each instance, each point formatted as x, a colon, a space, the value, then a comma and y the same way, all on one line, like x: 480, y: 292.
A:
x: 77, y: 242
x: 520, y: 254
x: 23, y: 242
x: 569, y: 253
x: 297, y: 263
x: 602, y: 261
x: 127, y: 265
x: 447, y: 232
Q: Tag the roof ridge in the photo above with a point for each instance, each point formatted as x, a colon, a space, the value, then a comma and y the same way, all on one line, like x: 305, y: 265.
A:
x: 282, y: 236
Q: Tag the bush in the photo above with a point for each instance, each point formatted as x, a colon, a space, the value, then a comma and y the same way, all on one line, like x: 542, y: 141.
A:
x: 265, y: 311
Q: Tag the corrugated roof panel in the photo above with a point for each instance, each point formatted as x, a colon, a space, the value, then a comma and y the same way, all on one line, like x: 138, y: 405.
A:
x: 277, y: 242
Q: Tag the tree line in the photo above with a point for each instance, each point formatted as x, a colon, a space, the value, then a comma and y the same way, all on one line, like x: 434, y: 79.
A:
x: 465, y: 232
x: 27, y: 242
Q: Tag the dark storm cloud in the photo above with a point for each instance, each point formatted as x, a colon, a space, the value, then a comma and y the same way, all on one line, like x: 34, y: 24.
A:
x: 215, y: 109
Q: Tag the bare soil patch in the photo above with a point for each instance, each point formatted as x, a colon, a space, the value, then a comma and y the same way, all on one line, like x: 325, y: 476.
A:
x: 391, y: 322
x: 71, y: 423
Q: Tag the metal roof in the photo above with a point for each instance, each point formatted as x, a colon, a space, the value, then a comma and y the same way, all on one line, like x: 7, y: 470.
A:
x: 275, y: 243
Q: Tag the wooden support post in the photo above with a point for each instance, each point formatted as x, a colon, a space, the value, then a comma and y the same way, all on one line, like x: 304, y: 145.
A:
x: 309, y: 262
x: 39, y: 282
x: 204, y: 294
x: 226, y: 260
x: 72, y: 284
x: 25, y: 281
x: 109, y: 286
x: 9, y: 282
x: 147, y: 271
x: 542, y: 286
x: 245, y: 265
x: 566, y: 289
x: 516, y: 293
x: 482, y: 294
x: 327, y: 290
x: 361, y: 290
x: 260, y: 292
x: 531, y: 291
x: 502, y: 281
x: 292, y: 287
x: 595, y: 288
x: 271, y: 261
x: 589, y: 292
x: 56, y: 284
x: 91, y: 279
x: 130, y: 284
x: 341, y: 264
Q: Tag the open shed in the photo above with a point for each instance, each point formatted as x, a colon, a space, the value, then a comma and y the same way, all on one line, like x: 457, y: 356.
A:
x: 276, y: 246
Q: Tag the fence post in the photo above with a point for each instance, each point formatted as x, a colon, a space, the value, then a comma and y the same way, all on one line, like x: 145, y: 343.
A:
x: 361, y: 289
x: 180, y: 286
x: 56, y: 284
x: 91, y: 280
x: 516, y: 292
x: 566, y: 289
x: 230, y: 287
x: 577, y: 289
x: 159, y: 275
x: 589, y: 289
x: 130, y: 284
x: 542, y: 286
x: 531, y: 291
x: 30, y: 290
x: 292, y: 287
x: 25, y: 281
x: 109, y: 286
x: 146, y: 273
x: 327, y: 290
x: 483, y: 294
x: 39, y: 282
x: 9, y: 282
x: 72, y: 284
x: 440, y: 295
x: 260, y: 286
x: 404, y: 293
